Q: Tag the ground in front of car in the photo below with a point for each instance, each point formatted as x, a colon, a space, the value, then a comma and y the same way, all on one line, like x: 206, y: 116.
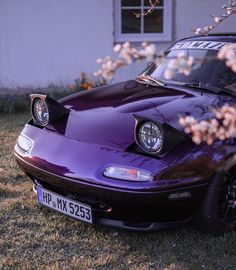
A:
x: 34, y: 237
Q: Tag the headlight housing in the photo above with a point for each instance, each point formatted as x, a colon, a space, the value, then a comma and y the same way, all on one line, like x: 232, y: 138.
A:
x: 154, y: 138
x: 45, y: 110
x: 150, y: 137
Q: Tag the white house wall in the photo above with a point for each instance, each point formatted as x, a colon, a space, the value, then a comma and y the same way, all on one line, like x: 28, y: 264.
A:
x: 52, y: 41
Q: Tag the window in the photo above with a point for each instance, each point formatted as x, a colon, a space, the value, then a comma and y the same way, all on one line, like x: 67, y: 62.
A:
x: 157, y: 26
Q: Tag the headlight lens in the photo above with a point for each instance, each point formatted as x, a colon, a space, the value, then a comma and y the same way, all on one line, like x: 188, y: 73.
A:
x: 150, y: 137
x: 40, y: 112
x: 129, y: 174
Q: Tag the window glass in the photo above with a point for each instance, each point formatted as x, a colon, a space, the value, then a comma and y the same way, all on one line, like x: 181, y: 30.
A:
x: 131, y: 3
x: 130, y: 24
x: 153, y: 23
x: 207, y: 68
x: 156, y: 26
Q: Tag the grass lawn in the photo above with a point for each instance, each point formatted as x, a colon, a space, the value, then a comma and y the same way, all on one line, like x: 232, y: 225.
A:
x: 34, y: 237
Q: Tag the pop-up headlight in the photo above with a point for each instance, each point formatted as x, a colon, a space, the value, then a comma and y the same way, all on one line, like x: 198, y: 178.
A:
x: 45, y: 109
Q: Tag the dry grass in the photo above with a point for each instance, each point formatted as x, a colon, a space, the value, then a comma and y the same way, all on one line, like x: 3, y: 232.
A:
x: 33, y: 237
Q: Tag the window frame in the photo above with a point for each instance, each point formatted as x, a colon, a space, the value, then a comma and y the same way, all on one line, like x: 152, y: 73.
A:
x: 139, y: 37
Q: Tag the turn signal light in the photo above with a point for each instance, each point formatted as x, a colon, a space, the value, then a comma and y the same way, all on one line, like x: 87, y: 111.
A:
x: 128, y: 174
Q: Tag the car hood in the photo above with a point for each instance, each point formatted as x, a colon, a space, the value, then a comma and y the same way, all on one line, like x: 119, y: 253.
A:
x: 106, y: 116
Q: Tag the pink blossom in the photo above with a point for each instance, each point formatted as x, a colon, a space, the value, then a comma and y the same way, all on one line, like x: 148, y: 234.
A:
x: 182, y: 63
x: 222, y: 128
x: 228, y: 54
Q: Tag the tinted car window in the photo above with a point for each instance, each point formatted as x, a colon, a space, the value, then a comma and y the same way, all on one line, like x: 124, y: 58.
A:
x: 206, y: 69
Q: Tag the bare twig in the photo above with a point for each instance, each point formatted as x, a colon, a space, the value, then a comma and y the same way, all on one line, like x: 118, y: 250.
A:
x: 149, y: 11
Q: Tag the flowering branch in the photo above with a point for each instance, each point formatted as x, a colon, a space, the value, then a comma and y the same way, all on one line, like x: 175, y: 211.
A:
x: 149, y: 11
x: 221, y: 127
x: 128, y: 55
x: 230, y: 9
x: 228, y: 54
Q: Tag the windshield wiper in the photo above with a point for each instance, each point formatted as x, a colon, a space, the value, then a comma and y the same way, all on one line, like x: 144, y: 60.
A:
x: 149, y: 80
x: 204, y: 86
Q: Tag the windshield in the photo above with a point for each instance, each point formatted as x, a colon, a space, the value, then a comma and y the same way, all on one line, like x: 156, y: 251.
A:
x: 206, y: 69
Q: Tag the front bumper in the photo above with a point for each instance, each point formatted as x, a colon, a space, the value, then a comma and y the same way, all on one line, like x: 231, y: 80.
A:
x: 123, y: 204
x: 126, y: 209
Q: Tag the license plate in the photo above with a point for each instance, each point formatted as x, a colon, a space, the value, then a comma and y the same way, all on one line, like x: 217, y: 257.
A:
x: 64, y: 205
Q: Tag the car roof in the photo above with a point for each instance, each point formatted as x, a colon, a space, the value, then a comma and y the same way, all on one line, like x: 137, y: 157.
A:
x: 221, y: 37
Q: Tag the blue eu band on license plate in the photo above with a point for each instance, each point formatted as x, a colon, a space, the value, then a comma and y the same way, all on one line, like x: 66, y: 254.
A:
x: 64, y: 205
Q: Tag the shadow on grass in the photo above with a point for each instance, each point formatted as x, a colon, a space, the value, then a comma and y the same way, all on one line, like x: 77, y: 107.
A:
x: 7, y: 194
x: 83, y: 246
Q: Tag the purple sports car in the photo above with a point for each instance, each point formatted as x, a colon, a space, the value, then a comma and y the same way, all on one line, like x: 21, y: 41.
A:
x: 117, y: 155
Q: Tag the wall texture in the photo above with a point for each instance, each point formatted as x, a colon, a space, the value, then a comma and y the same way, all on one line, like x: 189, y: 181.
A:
x: 52, y: 41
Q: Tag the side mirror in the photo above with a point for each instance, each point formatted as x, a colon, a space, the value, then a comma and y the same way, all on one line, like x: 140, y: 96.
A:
x: 151, y: 66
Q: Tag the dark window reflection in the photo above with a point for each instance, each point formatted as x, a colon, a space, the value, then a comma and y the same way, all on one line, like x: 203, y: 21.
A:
x: 207, y: 68
x: 131, y: 3
x: 153, y: 23
x: 130, y: 24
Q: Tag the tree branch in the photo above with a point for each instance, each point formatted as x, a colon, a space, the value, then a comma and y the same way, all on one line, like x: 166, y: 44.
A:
x: 230, y: 9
